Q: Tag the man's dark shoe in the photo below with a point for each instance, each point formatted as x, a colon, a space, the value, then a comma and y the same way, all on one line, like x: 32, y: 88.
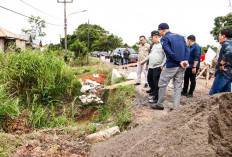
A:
x: 184, y: 93
x: 145, y: 86
x: 149, y: 91
x: 171, y: 109
x: 152, y: 100
x: 154, y: 106
x: 189, y: 95
x: 137, y: 84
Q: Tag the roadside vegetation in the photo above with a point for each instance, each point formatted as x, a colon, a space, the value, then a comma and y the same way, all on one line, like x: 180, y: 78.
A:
x: 117, y: 106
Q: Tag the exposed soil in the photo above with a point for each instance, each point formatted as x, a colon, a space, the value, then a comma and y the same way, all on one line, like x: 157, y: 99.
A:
x: 52, y: 143
x: 197, y: 129
x: 16, y: 126
x: 101, y: 79
x: 201, y: 127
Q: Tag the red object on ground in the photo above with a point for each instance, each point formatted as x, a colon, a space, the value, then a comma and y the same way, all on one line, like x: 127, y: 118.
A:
x: 101, y: 79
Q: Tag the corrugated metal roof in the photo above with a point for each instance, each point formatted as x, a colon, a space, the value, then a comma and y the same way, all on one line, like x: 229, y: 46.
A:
x: 6, y: 34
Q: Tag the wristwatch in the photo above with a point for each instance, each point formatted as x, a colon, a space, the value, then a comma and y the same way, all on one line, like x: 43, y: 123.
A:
x: 194, y: 67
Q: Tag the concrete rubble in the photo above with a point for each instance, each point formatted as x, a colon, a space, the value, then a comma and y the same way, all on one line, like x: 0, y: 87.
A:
x: 90, y: 98
x: 102, y: 135
x: 90, y: 86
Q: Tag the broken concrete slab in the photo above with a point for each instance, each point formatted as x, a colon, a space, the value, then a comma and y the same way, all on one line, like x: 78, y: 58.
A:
x: 92, y: 83
x: 102, y: 135
x: 115, y: 74
x: 88, y: 99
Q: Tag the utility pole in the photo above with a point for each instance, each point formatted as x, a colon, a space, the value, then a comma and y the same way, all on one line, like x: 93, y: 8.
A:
x: 88, y: 45
x: 65, y: 27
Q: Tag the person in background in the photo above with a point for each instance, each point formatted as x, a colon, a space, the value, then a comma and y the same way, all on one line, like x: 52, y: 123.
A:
x: 126, y: 55
x: 177, y: 54
x: 156, y: 60
x: 222, y: 81
x: 194, y: 65
x: 144, y: 49
x: 203, y: 56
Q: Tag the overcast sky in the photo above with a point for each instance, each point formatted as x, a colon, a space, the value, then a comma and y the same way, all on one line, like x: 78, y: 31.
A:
x: 127, y: 19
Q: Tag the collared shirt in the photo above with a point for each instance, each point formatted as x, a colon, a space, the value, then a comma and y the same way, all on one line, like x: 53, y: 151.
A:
x: 195, y: 55
x: 226, y: 55
x: 175, y: 48
x: 156, y: 57
x: 143, y: 51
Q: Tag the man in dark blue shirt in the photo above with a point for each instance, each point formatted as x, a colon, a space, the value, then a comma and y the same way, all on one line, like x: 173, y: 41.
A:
x: 194, y: 65
x: 177, y: 55
x: 222, y: 81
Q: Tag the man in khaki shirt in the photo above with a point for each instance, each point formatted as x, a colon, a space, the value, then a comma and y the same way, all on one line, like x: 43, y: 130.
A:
x: 144, y: 49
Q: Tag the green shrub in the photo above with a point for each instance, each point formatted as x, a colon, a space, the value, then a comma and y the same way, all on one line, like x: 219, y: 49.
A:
x: 28, y: 74
x: 8, y: 106
x: 123, y: 118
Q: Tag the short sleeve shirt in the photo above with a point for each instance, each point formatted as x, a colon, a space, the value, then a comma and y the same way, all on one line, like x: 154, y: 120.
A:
x: 143, y: 51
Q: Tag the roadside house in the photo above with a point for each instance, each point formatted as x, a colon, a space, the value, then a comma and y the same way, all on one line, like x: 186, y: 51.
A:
x: 9, y: 40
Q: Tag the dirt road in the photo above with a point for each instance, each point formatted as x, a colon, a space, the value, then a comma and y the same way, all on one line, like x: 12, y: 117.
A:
x: 200, y: 127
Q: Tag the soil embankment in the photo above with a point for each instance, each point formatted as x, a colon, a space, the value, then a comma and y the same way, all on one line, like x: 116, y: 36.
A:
x: 200, y: 128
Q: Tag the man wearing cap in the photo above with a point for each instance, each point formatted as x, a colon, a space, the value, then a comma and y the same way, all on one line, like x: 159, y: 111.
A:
x: 177, y: 54
x: 156, y: 60
x: 144, y: 49
x: 194, y: 65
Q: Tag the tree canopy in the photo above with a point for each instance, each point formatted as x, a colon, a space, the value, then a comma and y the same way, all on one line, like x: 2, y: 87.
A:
x: 99, y: 38
x: 220, y: 23
x: 37, y: 26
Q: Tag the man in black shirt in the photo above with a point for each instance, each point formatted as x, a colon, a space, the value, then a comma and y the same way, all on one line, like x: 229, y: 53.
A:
x: 126, y: 55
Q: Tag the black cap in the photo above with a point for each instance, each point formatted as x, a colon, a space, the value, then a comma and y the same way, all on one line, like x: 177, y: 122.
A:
x: 153, y: 33
x: 163, y: 26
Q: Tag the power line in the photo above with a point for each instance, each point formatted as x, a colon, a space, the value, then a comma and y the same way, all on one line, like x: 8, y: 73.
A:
x: 37, y: 9
x: 27, y: 16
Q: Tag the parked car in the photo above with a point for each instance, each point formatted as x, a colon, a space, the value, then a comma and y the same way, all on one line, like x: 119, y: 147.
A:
x: 104, y: 53
x: 117, y: 55
x: 95, y: 53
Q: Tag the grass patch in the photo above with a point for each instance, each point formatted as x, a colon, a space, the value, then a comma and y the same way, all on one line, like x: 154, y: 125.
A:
x: 117, y: 105
x: 120, y: 79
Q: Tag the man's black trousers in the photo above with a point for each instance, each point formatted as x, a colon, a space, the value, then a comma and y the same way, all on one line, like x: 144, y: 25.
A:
x: 192, y: 77
x: 153, y: 79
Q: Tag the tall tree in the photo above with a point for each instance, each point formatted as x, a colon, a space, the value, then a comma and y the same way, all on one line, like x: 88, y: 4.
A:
x: 78, y: 48
x: 107, y: 43
x: 37, y: 26
x: 220, y: 23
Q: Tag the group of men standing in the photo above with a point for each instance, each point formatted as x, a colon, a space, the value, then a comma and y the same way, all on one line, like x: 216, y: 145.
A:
x: 169, y: 58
